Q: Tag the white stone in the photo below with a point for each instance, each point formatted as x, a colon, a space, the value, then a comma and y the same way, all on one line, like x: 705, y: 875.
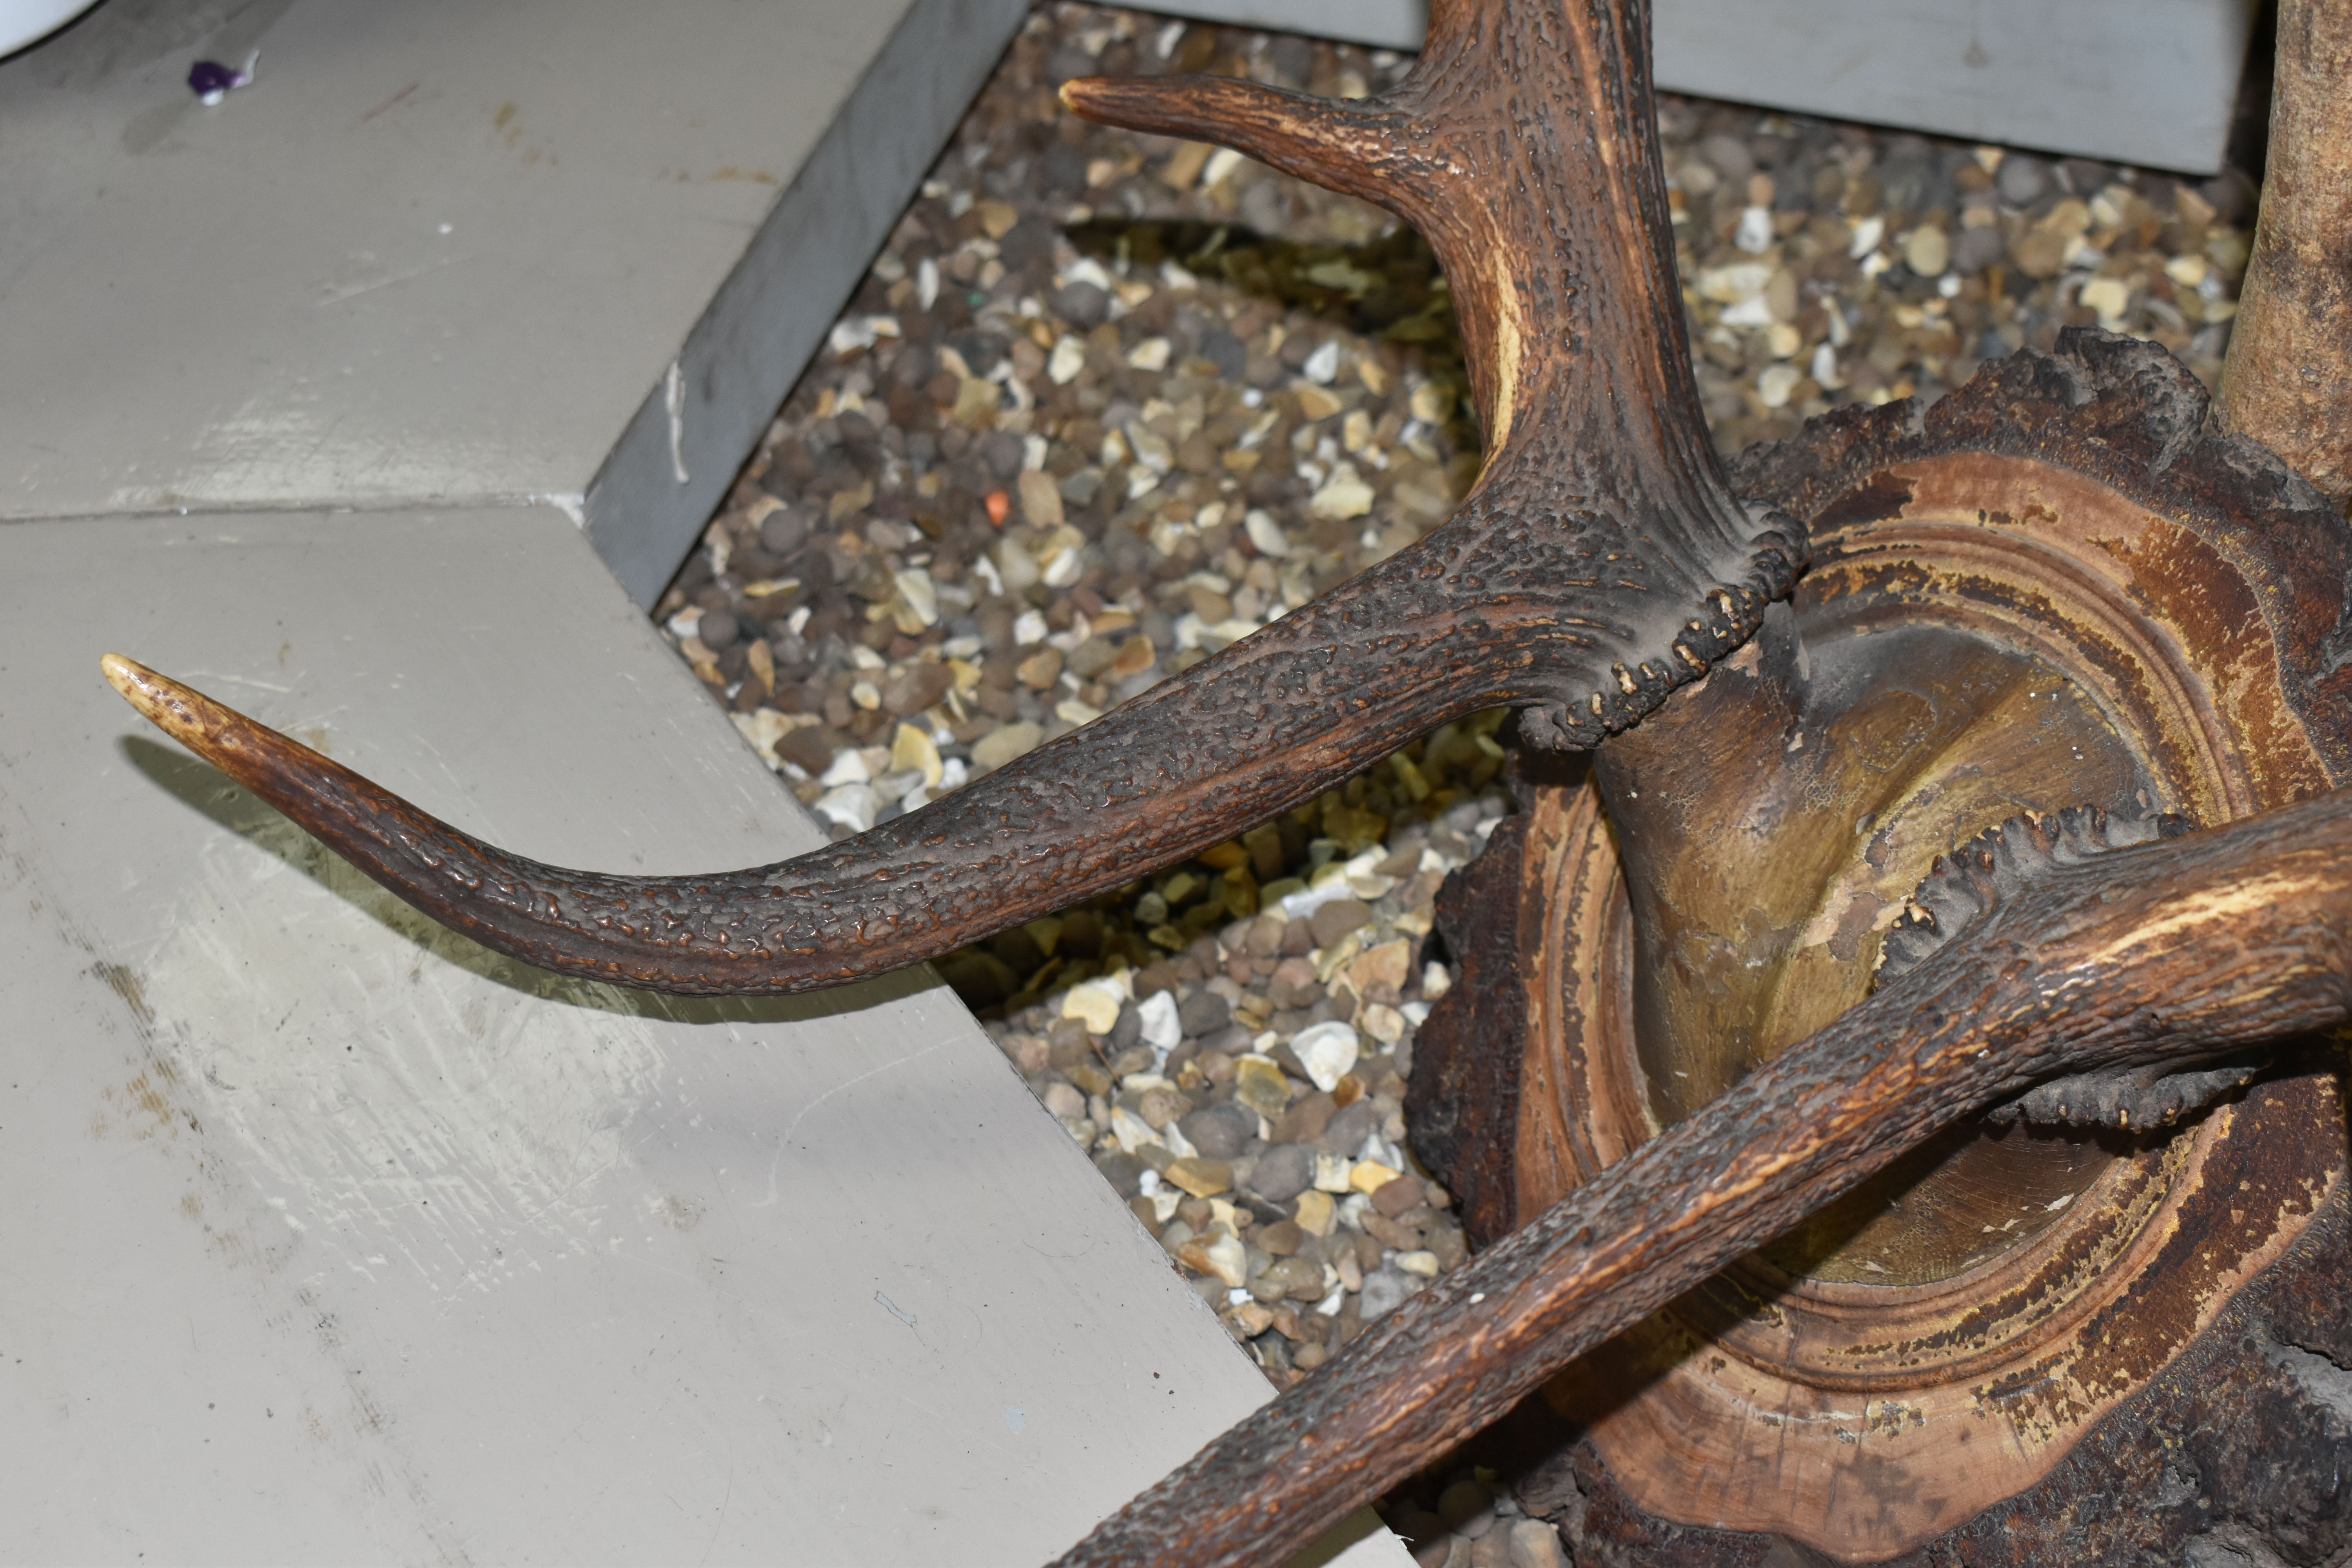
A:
x: 1095, y: 1003
x: 852, y: 804
x: 1131, y: 1131
x: 1028, y: 629
x: 1331, y: 1172
x: 1343, y: 496
x: 1754, y: 235
x: 1327, y: 1051
x: 1069, y: 358
x: 1266, y: 533
x: 1323, y: 364
x: 1730, y: 285
x: 1015, y: 565
x: 1436, y: 980
x: 1229, y: 1260
x: 920, y: 594
x: 897, y: 784
x: 1161, y: 1030
x: 847, y: 768
x: 2108, y: 297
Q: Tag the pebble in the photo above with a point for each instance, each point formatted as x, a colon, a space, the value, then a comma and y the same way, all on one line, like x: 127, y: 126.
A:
x: 1223, y: 1132
x: 1159, y: 1023
x: 1384, y: 1292
x: 1328, y: 1050
x: 1283, y: 1172
x: 998, y: 747
x: 1261, y: 1085
x: 1204, y: 1012
x: 1201, y: 1178
x: 1094, y: 1003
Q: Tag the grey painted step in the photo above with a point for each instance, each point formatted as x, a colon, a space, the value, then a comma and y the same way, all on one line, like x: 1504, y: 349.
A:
x: 334, y: 1238
x: 2150, y: 82
x: 446, y: 253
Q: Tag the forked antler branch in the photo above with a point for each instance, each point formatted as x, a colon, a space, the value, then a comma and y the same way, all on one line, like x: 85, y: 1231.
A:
x: 1599, y: 562
x: 2171, y: 953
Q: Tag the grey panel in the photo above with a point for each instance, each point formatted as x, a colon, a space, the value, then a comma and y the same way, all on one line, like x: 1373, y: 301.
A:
x: 2150, y: 82
x: 693, y: 429
x: 436, y: 252
x: 332, y: 1237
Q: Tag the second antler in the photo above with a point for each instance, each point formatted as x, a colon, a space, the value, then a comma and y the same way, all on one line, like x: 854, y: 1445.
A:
x: 2168, y: 955
x: 1599, y: 562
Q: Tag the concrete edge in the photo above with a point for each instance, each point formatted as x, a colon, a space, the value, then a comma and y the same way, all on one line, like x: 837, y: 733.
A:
x: 672, y: 465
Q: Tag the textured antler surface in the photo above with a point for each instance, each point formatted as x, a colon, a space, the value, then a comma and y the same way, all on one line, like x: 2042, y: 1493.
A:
x: 1599, y: 562
x: 2288, y: 384
x: 2172, y: 952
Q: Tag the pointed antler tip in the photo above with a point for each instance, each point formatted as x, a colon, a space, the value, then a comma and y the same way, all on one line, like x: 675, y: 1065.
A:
x: 141, y: 687
x: 189, y: 717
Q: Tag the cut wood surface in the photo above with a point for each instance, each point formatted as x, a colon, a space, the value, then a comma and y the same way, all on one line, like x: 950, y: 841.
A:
x: 2169, y: 953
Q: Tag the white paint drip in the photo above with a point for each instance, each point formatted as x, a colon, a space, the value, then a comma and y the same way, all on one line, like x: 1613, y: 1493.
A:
x: 674, y: 395
x: 400, y: 1093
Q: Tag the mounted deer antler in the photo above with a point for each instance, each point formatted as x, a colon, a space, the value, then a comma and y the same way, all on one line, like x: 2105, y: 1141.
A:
x: 1599, y: 562
x: 2064, y: 550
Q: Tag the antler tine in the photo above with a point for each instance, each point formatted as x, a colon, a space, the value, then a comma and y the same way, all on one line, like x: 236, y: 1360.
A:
x: 2174, y: 951
x: 1599, y: 562
x: 1271, y: 720
x: 1364, y: 148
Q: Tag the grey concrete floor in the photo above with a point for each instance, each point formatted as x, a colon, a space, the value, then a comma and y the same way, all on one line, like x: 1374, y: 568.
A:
x: 334, y: 1238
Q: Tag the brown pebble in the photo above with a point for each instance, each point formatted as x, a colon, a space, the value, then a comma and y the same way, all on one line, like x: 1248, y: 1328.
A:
x: 1041, y: 669
x: 1201, y: 1178
x: 1338, y: 918
x: 808, y: 748
x: 923, y: 684
x: 1282, y: 1239
x: 1395, y: 1197
x: 1265, y: 939
x: 1305, y: 1121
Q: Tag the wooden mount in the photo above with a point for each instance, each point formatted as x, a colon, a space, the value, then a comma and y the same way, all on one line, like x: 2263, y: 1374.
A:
x: 2060, y: 586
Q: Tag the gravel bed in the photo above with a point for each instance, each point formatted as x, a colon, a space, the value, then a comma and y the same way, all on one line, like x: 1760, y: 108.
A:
x: 1106, y: 402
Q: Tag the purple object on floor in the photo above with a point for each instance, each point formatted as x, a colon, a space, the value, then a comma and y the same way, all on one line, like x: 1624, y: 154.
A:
x: 211, y: 81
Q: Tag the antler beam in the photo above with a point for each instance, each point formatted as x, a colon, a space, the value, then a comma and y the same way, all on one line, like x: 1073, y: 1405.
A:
x: 2288, y: 383
x: 2171, y: 953
x: 1599, y: 562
